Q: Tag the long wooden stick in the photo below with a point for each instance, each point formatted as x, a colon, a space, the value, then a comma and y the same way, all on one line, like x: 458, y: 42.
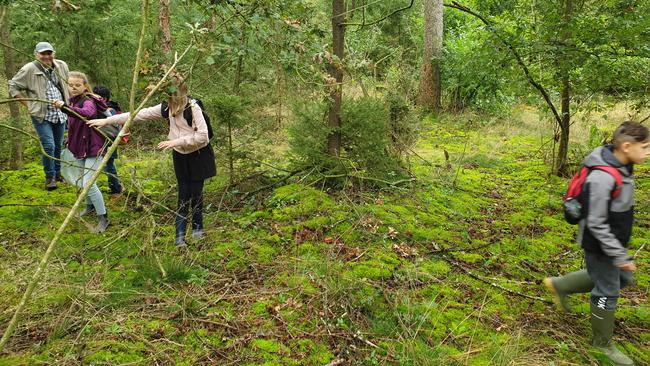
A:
x: 77, y: 115
x: 82, y: 196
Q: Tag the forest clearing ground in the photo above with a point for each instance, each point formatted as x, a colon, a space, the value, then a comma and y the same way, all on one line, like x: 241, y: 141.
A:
x: 443, y: 272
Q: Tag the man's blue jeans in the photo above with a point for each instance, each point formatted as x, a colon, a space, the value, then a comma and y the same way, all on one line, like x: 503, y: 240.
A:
x: 51, y: 136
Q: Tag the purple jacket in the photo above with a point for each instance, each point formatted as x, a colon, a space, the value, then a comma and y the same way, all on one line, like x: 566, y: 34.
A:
x: 83, y: 141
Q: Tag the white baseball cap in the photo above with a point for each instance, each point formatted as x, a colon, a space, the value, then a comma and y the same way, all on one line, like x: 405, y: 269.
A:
x: 43, y: 47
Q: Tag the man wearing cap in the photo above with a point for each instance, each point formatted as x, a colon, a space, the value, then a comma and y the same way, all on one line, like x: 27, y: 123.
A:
x: 45, y: 78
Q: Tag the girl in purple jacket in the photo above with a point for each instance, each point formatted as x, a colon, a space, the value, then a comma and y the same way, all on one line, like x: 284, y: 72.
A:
x: 84, y: 142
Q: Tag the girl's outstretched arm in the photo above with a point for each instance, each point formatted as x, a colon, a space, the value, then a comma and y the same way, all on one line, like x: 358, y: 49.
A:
x: 145, y: 114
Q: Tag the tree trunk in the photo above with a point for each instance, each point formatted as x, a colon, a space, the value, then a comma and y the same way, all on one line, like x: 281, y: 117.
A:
x: 240, y: 65
x: 14, y: 109
x: 561, y: 165
x: 231, y: 163
x: 279, y: 91
x: 164, y: 20
x: 430, y: 82
x: 561, y: 168
x: 336, y: 73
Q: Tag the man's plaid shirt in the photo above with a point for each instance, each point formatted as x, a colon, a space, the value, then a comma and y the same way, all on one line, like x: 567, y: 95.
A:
x: 53, y: 115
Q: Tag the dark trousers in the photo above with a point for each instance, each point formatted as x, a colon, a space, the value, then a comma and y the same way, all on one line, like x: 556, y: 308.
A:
x: 111, y: 171
x: 608, y: 280
x: 190, y: 200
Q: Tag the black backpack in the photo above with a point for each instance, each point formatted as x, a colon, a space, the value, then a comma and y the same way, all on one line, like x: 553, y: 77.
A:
x: 187, y: 114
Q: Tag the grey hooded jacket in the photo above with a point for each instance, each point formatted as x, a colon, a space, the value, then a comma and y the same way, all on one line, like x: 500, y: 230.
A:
x: 607, y: 226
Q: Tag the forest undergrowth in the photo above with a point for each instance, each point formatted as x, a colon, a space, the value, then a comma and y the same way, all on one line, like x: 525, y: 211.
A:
x: 444, y: 270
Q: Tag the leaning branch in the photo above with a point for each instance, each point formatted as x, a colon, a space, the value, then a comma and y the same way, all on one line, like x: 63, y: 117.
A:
x: 77, y: 115
x: 82, y: 196
x: 364, y: 23
x: 520, y: 61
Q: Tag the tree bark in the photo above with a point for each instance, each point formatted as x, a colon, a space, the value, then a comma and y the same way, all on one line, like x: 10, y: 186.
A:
x: 164, y: 20
x: 240, y: 65
x: 430, y: 81
x: 336, y: 74
x: 9, y: 70
x: 561, y: 166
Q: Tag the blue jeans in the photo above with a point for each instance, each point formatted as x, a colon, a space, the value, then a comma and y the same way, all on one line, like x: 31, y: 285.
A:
x: 111, y: 171
x: 51, y: 136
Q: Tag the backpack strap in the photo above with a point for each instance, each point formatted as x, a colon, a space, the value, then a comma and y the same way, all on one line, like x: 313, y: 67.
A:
x: 614, y: 172
x: 47, y: 75
x: 164, y: 109
x: 575, y: 185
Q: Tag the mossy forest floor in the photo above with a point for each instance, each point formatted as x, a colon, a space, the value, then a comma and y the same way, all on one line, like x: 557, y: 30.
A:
x: 445, y: 271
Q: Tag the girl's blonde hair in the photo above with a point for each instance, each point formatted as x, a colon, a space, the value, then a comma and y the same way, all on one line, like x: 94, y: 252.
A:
x: 82, y: 76
x: 178, y: 99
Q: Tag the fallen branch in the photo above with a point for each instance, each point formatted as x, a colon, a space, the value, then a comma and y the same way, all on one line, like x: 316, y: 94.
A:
x: 268, y: 186
x: 479, y: 278
x: 29, y: 205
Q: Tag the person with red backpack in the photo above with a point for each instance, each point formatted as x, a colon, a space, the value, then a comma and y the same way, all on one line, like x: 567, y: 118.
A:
x: 189, y: 138
x: 85, y: 143
x: 601, y: 200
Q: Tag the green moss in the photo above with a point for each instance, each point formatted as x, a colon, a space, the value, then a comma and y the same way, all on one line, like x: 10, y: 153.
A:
x: 265, y: 253
x: 295, y: 200
x: 269, y: 346
x: 259, y: 308
x: 115, y: 352
x: 311, y: 352
x: 435, y: 267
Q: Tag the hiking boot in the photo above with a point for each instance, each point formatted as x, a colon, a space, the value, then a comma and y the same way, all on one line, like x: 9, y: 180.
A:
x: 115, y: 190
x: 180, y: 242
x: 88, y: 210
x: 602, y: 327
x: 571, y: 283
x: 50, y: 183
x: 59, y: 178
x: 102, y: 224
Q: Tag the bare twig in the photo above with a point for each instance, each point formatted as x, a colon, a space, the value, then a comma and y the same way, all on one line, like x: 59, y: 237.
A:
x: 513, y: 50
x: 363, y: 24
x: 639, y: 250
x: 77, y: 115
x: 82, y: 196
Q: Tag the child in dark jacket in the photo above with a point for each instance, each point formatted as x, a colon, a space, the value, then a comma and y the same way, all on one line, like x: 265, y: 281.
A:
x: 604, y: 234
x: 84, y: 142
x: 114, y: 185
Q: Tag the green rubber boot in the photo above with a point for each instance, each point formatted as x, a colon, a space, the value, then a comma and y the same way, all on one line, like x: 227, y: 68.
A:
x: 602, y: 327
x: 571, y: 283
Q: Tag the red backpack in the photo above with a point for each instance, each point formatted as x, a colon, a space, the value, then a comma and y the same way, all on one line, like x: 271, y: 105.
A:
x: 573, y: 200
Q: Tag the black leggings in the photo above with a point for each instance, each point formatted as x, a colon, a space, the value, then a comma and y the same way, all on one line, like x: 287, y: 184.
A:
x: 190, y: 197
